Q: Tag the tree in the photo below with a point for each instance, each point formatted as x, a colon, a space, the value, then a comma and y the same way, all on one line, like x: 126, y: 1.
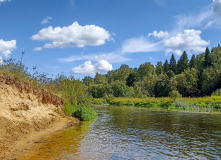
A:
x: 159, y: 68
x: 193, y: 62
x: 146, y: 70
x: 172, y: 64
x: 162, y: 86
x: 187, y: 82
x: 87, y: 80
x: 132, y: 78
x: 100, y: 79
x: 166, y: 66
x: 122, y: 73
x: 182, y: 63
x: 207, y: 61
x: 174, y: 94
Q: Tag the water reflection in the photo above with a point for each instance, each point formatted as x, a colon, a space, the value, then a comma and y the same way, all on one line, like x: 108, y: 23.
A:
x: 139, y: 133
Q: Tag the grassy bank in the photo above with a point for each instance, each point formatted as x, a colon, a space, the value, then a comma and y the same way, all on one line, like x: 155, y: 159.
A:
x: 72, y: 92
x: 180, y: 103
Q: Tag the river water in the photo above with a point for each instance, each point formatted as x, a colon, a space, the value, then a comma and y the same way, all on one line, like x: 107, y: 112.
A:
x: 136, y: 133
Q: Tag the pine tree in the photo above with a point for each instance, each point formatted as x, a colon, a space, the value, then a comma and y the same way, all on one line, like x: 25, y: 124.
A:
x: 182, y: 63
x: 193, y: 61
x: 172, y: 64
x: 207, y: 61
x: 166, y: 66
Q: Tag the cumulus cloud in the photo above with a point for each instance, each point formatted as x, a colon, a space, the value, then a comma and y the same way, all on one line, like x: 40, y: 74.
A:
x: 217, y: 7
x: 74, y: 35
x: 46, y: 20
x: 159, y: 35
x: 88, y: 68
x: 110, y: 57
x: 6, y: 47
x: 140, y: 44
x: 37, y: 49
x: 189, y: 40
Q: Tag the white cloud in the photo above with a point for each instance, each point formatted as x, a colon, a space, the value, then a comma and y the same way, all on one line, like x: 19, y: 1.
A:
x: 110, y: 57
x: 189, y: 40
x: 46, y: 20
x: 88, y: 68
x: 74, y: 35
x: 4, y: 1
x: 217, y: 7
x: 6, y: 47
x: 37, y: 49
x: 140, y: 44
x: 159, y: 35
x: 191, y: 21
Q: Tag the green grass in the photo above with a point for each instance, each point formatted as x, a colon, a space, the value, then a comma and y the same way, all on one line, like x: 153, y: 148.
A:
x: 188, y: 103
x: 84, y: 113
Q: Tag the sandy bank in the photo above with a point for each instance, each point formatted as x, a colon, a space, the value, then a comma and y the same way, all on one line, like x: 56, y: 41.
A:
x: 25, y: 118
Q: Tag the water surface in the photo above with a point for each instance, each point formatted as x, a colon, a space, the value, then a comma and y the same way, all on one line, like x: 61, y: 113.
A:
x: 136, y: 133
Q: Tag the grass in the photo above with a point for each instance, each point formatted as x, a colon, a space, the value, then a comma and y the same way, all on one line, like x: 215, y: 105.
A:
x: 180, y: 103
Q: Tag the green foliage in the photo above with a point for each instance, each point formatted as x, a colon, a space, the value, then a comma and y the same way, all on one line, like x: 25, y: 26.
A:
x: 132, y: 78
x: 217, y: 92
x: 166, y: 66
x: 174, y: 94
x: 173, y: 65
x: 69, y: 109
x: 182, y: 63
x: 159, y: 68
x: 84, y: 113
x: 146, y: 70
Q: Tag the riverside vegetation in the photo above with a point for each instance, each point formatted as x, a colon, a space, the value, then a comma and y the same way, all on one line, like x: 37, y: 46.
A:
x: 149, y: 85
x: 73, y: 94
x: 162, y: 85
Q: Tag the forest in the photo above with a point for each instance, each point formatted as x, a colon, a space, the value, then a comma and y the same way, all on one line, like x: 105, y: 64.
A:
x: 196, y: 77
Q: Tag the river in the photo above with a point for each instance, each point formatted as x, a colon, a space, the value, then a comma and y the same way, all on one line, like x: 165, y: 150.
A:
x: 136, y: 133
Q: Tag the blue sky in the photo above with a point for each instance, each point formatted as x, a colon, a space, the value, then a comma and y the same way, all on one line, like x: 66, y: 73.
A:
x: 82, y: 37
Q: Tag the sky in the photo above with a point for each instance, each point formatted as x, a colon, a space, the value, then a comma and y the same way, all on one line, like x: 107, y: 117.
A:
x: 82, y: 37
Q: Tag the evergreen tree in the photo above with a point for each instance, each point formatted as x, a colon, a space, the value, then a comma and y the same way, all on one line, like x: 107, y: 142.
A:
x: 193, y: 61
x: 166, y: 66
x: 159, y: 68
x: 173, y: 64
x: 207, y: 61
x: 132, y: 78
x: 182, y: 63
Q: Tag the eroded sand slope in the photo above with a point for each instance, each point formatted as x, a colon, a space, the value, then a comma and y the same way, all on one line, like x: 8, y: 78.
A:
x: 25, y: 114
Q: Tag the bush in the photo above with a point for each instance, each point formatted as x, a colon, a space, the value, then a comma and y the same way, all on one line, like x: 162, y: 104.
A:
x: 217, y: 92
x: 174, y: 94
x: 84, y: 113
x: 69, y: 109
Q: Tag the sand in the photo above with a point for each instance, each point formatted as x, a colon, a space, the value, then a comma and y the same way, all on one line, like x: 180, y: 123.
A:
x: 24, y: 119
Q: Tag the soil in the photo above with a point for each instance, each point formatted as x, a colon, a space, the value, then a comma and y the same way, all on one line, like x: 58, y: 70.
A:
x: 25, y: 117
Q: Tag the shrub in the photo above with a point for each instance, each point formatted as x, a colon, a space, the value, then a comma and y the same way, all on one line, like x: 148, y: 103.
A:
x: 174, y: 94
x: 217, y: 92
x: 84, y: 113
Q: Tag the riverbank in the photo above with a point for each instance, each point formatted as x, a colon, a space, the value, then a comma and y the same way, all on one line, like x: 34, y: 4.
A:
x: 26, y: 115
x: 151, y: 102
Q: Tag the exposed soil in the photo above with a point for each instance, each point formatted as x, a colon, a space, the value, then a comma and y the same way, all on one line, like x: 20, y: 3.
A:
x: 27, y: 114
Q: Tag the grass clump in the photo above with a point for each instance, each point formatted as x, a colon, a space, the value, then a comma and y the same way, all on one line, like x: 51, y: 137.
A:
x: 84, y: 113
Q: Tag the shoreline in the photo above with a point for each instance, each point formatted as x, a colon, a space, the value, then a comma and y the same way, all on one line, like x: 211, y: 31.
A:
x: 16, y: 148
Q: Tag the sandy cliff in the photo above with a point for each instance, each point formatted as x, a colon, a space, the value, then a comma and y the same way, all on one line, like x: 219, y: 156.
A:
x: 26, y: 113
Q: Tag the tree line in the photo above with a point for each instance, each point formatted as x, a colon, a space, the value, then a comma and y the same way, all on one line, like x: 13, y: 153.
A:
x: 197, y: 77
